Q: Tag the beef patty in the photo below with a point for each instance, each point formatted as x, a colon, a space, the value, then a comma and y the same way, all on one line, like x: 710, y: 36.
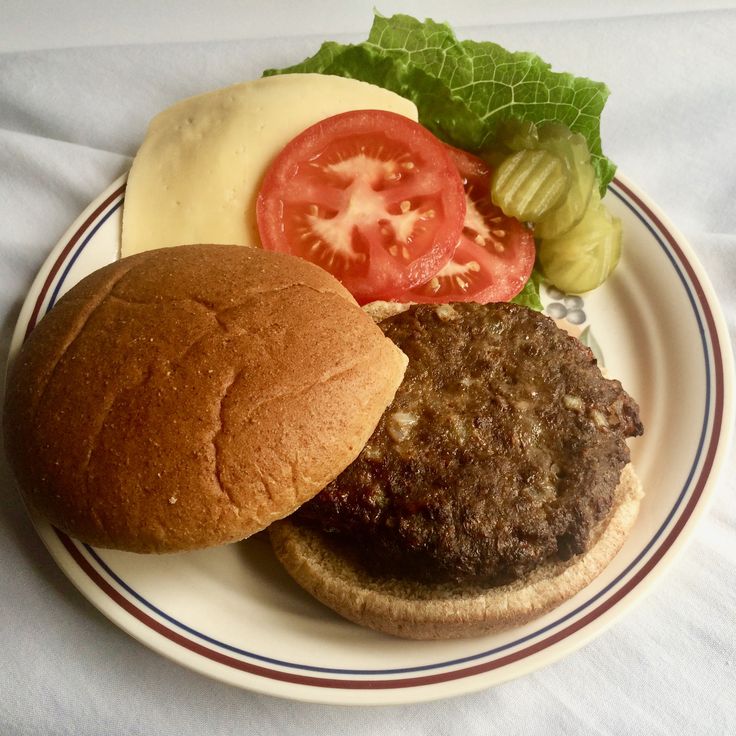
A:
x: 501, y: 450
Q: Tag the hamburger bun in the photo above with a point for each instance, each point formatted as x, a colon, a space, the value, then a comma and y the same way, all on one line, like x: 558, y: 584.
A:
x: 188, y: 397
x: 416, y: 610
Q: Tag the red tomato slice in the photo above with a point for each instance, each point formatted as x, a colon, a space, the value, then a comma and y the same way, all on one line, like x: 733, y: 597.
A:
x: 495, y: 255
x: 371, y: 196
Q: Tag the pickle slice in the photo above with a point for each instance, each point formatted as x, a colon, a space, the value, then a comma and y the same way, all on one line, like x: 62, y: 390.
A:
x: 552, y: 132
x: 545, y: 176
x: 585, y: 256
x: 572, y: 148
x: 517, y: 135
x: 529, y: 184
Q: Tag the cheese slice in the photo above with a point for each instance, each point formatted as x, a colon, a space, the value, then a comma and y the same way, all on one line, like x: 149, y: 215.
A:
x: 197, y: 174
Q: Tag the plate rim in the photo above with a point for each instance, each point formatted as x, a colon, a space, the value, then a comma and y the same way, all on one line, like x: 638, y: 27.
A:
x: 468, y: 679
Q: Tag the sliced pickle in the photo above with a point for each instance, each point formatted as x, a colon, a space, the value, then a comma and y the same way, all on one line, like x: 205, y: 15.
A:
x: 530, y: 183
x: 552, y: 131
x: 516, y: 135
x: 554, y: 172
x: 570, y: 211
x: 585, y: 256
x: 573, y: 149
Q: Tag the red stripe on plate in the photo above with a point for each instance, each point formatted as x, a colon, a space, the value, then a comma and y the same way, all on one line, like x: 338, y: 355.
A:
x: 64, y: 253
x: 718, y: 375
x: 325, y: 682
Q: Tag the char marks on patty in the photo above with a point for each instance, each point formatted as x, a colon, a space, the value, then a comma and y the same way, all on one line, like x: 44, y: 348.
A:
x: 502, y: 450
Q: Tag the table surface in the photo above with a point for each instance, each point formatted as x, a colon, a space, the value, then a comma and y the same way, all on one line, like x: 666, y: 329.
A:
x: 76, y: 91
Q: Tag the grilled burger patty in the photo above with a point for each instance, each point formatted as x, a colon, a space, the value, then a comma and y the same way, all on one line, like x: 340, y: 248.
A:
x: 501, y: 450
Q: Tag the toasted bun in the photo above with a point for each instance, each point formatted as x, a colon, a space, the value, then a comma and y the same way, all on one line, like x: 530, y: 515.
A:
x: 189, y: 396
x: 447, y: 611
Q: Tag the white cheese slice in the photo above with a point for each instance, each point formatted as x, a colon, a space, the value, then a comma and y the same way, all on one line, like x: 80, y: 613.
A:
x: 197, y: 174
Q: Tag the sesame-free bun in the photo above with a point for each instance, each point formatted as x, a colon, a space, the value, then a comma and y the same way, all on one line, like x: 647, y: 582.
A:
x: 416, y: 610
x: 187, y: 397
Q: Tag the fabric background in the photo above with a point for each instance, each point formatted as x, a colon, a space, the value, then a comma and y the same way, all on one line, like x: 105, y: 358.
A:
x: 71, y: 118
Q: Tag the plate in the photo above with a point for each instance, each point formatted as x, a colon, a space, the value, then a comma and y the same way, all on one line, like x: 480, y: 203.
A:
x: 232, y: 614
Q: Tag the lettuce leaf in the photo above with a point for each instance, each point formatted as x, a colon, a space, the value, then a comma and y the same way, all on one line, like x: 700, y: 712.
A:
x: 464, y: 89
x: 529, y: 295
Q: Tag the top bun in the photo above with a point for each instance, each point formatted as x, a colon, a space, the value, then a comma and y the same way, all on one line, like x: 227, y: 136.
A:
x: 189, y: 396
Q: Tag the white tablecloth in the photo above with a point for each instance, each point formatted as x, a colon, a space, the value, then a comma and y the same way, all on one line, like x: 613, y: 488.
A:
x: 69, y: 121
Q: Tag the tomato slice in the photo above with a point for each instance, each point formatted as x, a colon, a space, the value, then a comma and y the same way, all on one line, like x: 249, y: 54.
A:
x: 371, y: 196
x: 495, y: 255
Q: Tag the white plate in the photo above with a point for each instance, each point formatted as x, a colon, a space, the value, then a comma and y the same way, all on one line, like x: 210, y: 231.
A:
x: 231, y: 613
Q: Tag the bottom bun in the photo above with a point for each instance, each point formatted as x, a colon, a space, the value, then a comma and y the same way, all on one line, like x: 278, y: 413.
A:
x: 416, y: 610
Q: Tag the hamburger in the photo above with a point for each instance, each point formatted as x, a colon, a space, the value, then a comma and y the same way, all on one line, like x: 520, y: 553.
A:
x: 189, y: 397
x: 496, y: 485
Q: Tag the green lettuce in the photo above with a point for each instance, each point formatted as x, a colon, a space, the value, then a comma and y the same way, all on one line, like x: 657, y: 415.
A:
x: 529, y: 295
x: 464, y: 89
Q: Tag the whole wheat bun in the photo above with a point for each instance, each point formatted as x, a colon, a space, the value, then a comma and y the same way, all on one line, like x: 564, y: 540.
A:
x: 416, y: 610
x: 447, y: 611
x: 189, y: 396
